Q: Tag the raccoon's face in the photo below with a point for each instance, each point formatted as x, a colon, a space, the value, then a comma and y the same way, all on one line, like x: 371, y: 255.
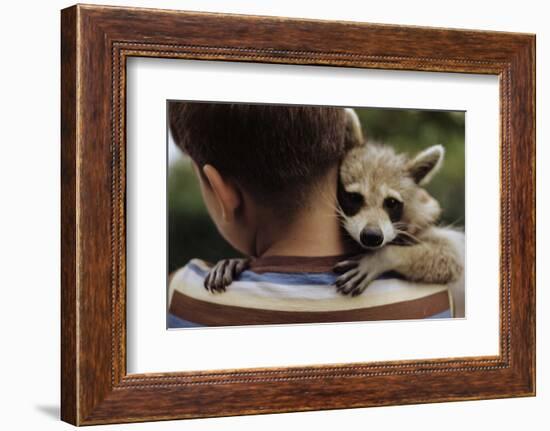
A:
x: 380, y: 197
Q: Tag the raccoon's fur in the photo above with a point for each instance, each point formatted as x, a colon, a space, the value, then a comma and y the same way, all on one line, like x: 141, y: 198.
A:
x: 385, y: 209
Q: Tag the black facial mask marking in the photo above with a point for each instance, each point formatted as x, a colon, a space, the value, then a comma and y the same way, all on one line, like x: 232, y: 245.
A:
x: 394, y: 208
x: 350, y: 203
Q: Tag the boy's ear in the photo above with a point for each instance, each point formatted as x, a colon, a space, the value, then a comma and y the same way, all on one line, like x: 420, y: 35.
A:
x: 226, y: 192
x: 426, y: 164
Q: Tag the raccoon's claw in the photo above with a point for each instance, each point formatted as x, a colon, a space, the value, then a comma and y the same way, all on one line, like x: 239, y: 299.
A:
x: 360, y: 288
x: 352, y: 283
x: 345, y: 266
x: 354, y: 279
x: 210, y: 280
x: 351, y: 279
x: 223, y: 274
x: 359, y: 274
x: 356, y: 286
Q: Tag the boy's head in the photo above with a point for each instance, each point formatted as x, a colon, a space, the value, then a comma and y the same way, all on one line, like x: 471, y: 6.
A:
x: 267, y: 158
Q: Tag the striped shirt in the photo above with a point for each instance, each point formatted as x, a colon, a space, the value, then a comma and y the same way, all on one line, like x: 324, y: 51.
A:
x: 285, y: 290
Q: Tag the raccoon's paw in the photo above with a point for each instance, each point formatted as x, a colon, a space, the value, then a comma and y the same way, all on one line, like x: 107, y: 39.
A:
x: 223, y: 274
x: 356, y: 276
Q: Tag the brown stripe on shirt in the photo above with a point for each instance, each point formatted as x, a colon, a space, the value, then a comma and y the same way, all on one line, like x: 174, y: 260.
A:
x: 297, y: 264
x: 211, y: 314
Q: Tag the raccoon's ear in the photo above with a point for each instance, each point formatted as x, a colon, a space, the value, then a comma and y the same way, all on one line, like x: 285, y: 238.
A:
x: 354, y: 132
x: 425, y: 165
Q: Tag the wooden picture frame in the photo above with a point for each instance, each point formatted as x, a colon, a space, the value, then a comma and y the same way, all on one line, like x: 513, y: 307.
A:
x: 95, y: 43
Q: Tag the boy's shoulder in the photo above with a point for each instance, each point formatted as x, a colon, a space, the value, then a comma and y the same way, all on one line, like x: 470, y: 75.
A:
x: 188, y: 275
x: 196, y: 265
x: 296, y: 297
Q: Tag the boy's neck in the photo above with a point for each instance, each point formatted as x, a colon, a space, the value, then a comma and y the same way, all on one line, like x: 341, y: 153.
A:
x: 305, y: 238
x: 314, y: 231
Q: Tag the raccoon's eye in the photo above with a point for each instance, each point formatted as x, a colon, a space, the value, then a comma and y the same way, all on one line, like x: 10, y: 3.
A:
x: 391, y: 203
x: 350, y: 202
x: 354, y: 198
x: 394, y: 208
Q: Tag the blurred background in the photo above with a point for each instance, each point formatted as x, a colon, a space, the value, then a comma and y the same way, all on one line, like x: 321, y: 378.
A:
x: 191, y: 233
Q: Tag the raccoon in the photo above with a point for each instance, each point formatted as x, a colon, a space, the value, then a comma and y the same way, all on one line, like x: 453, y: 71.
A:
x: 385, y: 209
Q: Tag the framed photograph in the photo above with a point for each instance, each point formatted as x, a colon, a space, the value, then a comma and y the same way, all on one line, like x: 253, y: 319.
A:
x: 264, y: 214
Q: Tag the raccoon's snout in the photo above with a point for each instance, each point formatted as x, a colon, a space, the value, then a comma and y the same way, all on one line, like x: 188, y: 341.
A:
x: 371, y: 237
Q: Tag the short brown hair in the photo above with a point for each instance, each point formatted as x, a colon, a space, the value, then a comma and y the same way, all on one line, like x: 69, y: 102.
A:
x: 275, y: 152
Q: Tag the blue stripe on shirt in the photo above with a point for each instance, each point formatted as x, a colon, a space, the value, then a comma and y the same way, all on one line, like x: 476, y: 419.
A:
x: 175, y: 322
x: 443, y: 315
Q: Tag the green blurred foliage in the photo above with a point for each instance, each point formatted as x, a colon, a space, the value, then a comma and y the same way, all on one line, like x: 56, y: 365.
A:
x: 191, y: 232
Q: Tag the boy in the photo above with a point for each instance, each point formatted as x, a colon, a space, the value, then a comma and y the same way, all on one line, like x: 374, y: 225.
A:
x: 268, y: 176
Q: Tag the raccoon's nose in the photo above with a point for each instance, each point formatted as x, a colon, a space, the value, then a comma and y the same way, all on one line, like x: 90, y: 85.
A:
x: 371, y: 237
